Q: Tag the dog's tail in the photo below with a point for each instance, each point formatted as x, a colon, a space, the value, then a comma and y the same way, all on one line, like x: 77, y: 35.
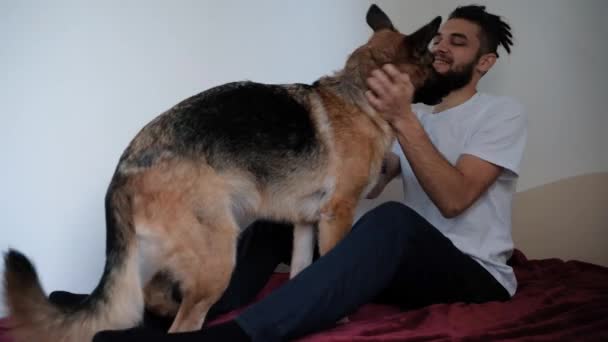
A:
x: 116, y: 303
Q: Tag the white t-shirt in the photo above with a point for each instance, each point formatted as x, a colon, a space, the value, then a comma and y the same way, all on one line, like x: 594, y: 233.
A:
x: 494, y: 129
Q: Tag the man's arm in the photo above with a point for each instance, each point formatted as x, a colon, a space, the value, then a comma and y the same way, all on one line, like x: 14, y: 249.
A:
x: 453, y: 189
x: 391, y: 168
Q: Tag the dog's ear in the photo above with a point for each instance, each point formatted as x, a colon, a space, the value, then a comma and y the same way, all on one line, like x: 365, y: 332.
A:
x: 420, y: 39
x: 378, y: 20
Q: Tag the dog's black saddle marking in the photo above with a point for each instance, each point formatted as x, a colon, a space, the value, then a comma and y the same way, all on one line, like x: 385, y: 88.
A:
x: 249, y: 125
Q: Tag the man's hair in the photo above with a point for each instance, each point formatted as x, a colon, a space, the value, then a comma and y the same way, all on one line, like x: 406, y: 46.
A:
x: 494, y: 31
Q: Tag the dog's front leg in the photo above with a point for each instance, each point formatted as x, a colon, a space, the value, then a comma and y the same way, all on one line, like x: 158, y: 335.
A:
x: 303, y: 248
x: 336, y: 221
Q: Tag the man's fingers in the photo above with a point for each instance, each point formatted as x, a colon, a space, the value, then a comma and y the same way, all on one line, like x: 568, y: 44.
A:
x: 374, y: 101
x: 395, y: 74
x: 391, y: 71
x: 382, y: 77
x: 377, y: 86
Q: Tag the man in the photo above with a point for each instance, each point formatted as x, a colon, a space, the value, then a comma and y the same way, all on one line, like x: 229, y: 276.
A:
x: 450, y: 241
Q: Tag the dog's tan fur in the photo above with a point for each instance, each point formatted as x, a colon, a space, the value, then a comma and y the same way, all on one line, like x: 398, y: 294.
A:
x: 181, y: 217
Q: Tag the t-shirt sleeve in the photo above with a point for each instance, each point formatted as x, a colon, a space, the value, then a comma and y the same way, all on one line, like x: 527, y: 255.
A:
x: 500, y: 136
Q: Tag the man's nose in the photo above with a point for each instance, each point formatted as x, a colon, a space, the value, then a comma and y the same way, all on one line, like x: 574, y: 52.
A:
x: 439, y: 47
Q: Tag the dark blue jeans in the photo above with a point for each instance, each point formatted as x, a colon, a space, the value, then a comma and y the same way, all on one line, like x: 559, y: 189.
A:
x: 392, y: 255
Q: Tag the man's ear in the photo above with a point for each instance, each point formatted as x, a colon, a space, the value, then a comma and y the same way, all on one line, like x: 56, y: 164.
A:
x: 378, y: 20
x: 486, y: 62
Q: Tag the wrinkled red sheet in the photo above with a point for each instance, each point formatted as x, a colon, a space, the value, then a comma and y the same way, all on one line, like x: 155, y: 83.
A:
x: 556, y: 301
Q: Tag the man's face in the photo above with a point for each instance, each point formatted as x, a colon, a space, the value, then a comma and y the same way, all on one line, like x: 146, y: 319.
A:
x: 457, y: 60
x: 456, y: 47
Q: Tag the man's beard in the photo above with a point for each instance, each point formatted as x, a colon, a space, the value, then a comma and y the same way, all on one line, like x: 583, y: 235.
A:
x: 439, y: 85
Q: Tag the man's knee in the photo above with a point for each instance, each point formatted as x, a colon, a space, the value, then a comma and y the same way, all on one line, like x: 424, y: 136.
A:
x: 389, y: 218
x: 391, y: 207
x: 388, y: 214
x: 393, y: 212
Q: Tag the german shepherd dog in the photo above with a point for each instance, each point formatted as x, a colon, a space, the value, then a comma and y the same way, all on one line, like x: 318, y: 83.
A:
x: 195, y: 176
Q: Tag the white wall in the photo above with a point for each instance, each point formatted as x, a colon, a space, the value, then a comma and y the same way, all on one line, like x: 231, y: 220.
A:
x: 78, y: 81
x: 558, y: 70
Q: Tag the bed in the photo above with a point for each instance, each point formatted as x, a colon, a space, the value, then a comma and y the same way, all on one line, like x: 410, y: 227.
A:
x: 556, y: 301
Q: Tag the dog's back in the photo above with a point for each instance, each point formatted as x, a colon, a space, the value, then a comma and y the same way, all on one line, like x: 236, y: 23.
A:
x: 244, y: 125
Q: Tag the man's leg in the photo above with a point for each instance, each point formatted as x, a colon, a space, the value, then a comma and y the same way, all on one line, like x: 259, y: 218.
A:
x: 438, y: 272
x: 390, y: 248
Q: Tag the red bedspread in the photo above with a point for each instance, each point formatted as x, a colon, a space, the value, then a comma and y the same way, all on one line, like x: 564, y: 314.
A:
x: 556, y: 301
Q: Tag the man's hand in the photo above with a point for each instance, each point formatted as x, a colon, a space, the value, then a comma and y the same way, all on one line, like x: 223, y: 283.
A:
x: 391, y: 93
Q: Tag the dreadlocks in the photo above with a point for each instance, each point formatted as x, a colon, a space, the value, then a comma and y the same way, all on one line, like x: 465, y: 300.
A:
x: 494, y: 31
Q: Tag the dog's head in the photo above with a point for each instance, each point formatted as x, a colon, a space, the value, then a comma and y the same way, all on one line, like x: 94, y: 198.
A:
x: 409, y: 53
